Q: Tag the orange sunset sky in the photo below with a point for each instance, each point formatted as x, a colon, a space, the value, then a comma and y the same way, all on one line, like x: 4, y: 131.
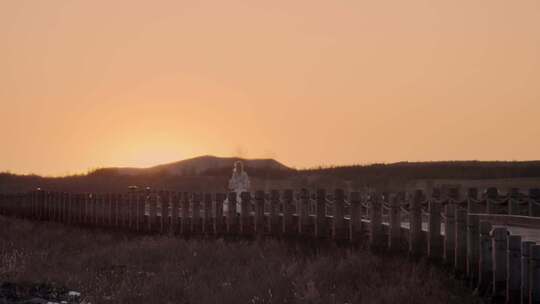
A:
x: 86, y: 84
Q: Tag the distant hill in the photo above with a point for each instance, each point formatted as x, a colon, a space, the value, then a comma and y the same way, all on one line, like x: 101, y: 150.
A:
x: 205, y: 173
x: 202, y: 165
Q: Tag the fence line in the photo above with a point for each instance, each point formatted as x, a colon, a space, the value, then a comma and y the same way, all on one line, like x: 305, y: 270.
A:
x: 459, y: 232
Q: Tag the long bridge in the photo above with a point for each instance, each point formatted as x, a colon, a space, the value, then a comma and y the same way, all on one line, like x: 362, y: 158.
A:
x: 487, y: 240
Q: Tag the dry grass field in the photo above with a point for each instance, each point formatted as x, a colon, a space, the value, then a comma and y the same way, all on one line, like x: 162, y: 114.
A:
x: 118, y: 268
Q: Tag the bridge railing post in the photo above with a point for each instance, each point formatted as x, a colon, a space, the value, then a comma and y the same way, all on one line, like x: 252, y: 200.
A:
x: 460, y: 253
x: 395, y: 239
x: 94, y: 204
x: 125, y: 209
x: 17, y: 202
x: 287, y: 228
x: 375, y: 222
x: 25, y: 199
x: 338, y: 222
x: 59, y: 209
x: 29, y: 205
x: 50, y: 205
x: 69, y: 208
x: 449, y: 232
x: 158, y: 222
x: 167, y: 213
x: 208, y: 219
x: 80, y: 207
x: 273, y: 222
x: 175, y: 204
x: 3, y: 203
x: 20, y: 205
x: 513, y: 201
x: 105, y: 208
x: 525, y: 261
x: 83, y: 201
x: 245, y: 216
x: 196, y: 219
x: 53, y: 205
x: 59, y: 206
x: 109, y: 209
x: 114, y: 205
x: 415, y: 224
x: 134, y: 213
x: 473, y: 248
x: 232, y: 219
x: 75, y: 208
x: 17, y: 206
x: 303, y: 213
x: 95, y: 208
x: 8, y: 206
x: 534, y: 202
x: 185, y: 222
x: 499, y: 239
x: 534, y: 274
x: 219, y: 220
x: 355, y: 224
x: 434, y: 230
x: 37, y: 204
x: 72, y: 208
x: 472, y: 201
x: 141, y: 207
x: 120, y: 208
x: 109, y: 202
x: 260, y: 219
x: 40, y: 204
x: 321, y: 229
x: 513, y: 270
x: 151, y: 212
x: 485, y: 275
x: 492, y: 194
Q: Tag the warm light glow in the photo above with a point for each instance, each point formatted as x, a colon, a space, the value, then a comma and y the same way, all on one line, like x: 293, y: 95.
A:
x: 88, y: 84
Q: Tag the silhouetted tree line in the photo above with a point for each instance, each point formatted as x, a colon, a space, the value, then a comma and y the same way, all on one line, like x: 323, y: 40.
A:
x: 433, y: 170
x: 110, y: 180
